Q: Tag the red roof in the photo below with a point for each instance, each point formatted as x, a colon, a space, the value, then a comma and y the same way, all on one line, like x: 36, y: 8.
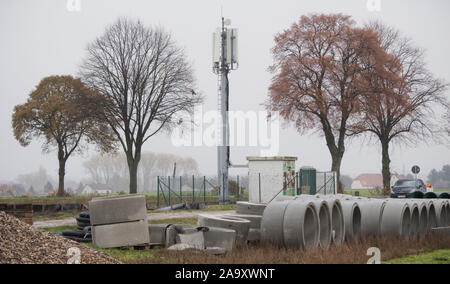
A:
x: 371, y: 180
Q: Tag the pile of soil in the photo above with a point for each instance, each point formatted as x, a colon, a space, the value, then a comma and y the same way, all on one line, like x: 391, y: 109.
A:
x: 20, y: 243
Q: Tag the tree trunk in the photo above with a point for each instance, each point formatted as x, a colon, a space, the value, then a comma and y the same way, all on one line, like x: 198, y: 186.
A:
x: 61, y: 173
x: 336, y: 160
x: 386, y: 161
x: 133, y: 169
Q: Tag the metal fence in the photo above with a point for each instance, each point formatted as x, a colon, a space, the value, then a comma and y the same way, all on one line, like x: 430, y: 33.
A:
x: 197, y: 189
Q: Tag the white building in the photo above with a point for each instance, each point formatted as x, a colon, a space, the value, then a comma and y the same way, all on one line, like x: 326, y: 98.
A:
x: 96, y: 189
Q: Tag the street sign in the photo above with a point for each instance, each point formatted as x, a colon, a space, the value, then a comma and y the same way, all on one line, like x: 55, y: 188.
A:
x: 415, y: 170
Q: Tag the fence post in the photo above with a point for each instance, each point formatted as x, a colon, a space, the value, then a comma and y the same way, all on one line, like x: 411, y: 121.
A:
x: 157, y: 194
x: 193, y: 188
x: 325, y: 181
x: 259, y: 184
x: 181, y: 191
x: 238, y: 188
x: 170, y: 204
x: 204, y: 189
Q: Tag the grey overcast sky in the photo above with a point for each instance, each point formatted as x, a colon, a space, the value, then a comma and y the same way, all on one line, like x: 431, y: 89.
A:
x: 41, y: 37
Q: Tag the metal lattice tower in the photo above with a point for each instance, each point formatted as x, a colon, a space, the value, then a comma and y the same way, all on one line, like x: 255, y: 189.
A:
x: 224, y: 60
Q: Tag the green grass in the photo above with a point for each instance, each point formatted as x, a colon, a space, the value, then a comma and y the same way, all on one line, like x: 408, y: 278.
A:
x: 365, y: 192
x: 56, y: 216
x: 179, y: 221
x: 60, y: 229
x: 227, y: 207
x: 435, y: 257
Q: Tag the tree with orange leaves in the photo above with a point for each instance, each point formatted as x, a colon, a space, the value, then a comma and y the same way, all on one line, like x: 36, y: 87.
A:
x: 63, y: 112
x: 317, y: 80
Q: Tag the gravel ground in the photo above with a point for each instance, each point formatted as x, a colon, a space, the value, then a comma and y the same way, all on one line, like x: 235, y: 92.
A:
x: 151, y: 216
x: 20, y: 243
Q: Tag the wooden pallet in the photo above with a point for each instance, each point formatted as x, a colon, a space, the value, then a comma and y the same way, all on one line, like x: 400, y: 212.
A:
x: 137, y: 247
x: 23, y: 212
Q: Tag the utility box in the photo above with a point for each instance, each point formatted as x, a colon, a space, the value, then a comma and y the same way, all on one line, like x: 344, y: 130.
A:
x: 307, y: 181
x: 270, y: 177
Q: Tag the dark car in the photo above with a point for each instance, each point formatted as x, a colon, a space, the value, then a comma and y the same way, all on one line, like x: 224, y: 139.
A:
x: 406, y: 188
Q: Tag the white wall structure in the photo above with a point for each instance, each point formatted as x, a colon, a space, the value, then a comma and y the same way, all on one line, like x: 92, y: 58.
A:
x: 276, y: 174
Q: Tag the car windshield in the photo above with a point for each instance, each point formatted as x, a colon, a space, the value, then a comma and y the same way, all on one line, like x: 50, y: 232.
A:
x: 405, y: 183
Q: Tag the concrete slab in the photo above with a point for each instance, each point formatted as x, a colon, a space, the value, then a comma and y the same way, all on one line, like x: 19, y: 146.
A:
x: 220, y: 237
x: 255, y: 220
x: 248, y: 208
x: 241, y: 226
x: 120, y: 209
x: 195, y: 240
x: 120, y: 235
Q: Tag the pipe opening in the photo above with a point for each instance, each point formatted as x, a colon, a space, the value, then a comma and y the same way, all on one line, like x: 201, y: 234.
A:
x: 406, y: 223
x: 310, y: 228
x: 414, y: 229
x: 432, y: 222
x: 337, y: 224
x: 324, y: 222
x: 423, y: 222
x: 356, y: 222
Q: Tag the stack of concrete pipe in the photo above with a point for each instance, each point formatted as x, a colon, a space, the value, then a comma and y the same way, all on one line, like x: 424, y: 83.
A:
x: 310, y: 221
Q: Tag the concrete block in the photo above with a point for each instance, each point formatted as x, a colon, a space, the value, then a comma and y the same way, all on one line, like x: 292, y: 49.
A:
x: 248, y: 208
x: 195, y: 240
x: 157, y: 234
x: 215, y: 251
x: 120, y: 209
x: 241, y: 226
x: 181, y: 247
x: 120, y: 235
x: 173, y: 231
x: 220, y: 237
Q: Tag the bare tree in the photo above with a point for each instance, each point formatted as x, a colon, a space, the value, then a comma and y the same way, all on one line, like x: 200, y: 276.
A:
x: 145, y: 79
x: 401, y: 98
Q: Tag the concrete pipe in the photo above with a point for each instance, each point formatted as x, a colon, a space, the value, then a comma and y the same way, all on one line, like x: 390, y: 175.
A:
x: 352, y: 218
x: 248, y: 208
x: 301, y: 225
x: 396, y: 219
x: 324, y: 216
x: 255, y: 220
x: 272, y: 223
x: 423, y: 218
x: 447, y: 209
x: 440, y: 206
x: 371, y: 216
x: 337, y: 219
x: 415, y: 216
x: 241, y: 226
x: 336, y: 213
x: 432, y: 220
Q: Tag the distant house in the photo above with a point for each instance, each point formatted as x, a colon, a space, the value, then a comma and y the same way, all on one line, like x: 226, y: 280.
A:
x: 96, y: 189
x: 6, y: 190
x: 372, y: 181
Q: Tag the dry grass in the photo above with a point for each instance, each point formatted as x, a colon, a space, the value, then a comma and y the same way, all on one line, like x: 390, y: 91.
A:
x: 349, y: 253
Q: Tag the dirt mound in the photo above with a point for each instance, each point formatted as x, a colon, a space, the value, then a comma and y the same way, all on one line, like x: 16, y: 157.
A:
x: 22, y: 244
